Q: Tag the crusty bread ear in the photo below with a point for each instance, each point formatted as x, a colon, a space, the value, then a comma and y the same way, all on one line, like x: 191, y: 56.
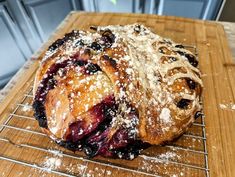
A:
x: 139, y: 85
x: 161, y: 80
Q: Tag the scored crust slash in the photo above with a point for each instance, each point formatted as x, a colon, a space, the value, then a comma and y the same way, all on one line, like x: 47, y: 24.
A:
x: 116, y: 91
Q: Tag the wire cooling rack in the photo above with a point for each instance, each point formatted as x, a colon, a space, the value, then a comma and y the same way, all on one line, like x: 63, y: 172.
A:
x: 24, y: 146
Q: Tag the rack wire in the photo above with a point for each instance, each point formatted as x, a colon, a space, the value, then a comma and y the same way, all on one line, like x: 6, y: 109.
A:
x: 147, y: 164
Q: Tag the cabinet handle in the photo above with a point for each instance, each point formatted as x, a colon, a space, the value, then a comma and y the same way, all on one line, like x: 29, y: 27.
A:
x: 96, y: 6
x: 25, y: 9
x: 142, y: 5
x: 156, y: 5
x: 9, y: 13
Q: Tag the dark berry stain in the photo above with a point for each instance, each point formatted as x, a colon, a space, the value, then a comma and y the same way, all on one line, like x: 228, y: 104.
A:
x: 49, y: 83
x: 39, y: 113
x: 80, y: 136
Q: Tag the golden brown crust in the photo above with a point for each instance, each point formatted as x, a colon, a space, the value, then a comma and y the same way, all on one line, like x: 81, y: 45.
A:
x: 160, y: 80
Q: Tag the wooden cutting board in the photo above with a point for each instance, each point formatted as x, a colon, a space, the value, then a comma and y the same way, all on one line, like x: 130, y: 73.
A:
x: 208, y: 148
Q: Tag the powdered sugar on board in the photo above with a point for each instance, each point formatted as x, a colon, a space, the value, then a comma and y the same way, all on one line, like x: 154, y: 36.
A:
x: 165, y: 115
x: 56, y: 152
x: 27, y: 107
x: 162, y: 163
x: 164, y: 157
x: 52, y: 163
x: 58, y: 163
x: 230, y: 106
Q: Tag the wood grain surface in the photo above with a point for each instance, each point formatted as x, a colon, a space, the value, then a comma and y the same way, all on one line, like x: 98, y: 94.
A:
x: 24, y: 149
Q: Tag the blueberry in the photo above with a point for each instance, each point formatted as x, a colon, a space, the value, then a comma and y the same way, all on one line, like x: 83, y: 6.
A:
x: 93, y: 28
x: 181, y: 53
x: 112, y: 62
x: 130, y: 151
x: 108, y: 37
x: 191, y: 84
x: 172, y: 59
x: 163, y: 50
x: 60, y: 42
x: 80, y: 63
x: 137, y: 28
x: 95, y: 46
x: 92, y: 68
x: 192, y: 60
x: 90, y: 150
x: 167, y: 41
x: 73, y: 146
x: 179, y: 46
x: 56, y: 44
x: 71, y: 35
x: 79, y: 43
x: 183, y: 103
x: 198, y: 114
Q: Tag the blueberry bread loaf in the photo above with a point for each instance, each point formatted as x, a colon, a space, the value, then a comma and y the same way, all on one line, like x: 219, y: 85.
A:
x: 116, y: 90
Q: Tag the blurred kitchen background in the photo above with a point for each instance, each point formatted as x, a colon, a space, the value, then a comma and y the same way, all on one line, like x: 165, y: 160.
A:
x: 26, y: 24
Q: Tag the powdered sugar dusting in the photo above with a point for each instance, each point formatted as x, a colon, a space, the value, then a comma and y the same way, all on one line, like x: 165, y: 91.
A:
x: 165, y: 115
